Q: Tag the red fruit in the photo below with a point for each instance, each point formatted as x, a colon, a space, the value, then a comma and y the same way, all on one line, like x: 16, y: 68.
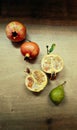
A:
x: 30, y: 50
x: 16, y: 31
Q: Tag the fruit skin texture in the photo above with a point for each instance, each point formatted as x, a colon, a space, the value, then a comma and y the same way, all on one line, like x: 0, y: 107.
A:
x: 30, y: 50
x: 57, y: 95
x: 15, y: 31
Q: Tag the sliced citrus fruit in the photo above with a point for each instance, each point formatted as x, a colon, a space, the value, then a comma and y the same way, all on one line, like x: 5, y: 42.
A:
x: 36, y: 81
x: 52, y: 63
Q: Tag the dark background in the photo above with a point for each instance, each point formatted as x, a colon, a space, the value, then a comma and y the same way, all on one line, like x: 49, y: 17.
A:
x: 52, y: 9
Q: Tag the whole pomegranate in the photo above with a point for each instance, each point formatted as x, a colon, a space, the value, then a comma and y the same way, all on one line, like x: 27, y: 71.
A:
x: 16, y: 31
x: 30, y: 50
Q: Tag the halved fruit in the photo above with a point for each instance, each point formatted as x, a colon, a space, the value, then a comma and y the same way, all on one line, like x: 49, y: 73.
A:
x: 52, y: 63
x: 36, y: 81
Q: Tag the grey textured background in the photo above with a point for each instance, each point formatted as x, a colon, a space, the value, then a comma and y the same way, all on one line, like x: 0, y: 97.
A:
x: 20, y: 109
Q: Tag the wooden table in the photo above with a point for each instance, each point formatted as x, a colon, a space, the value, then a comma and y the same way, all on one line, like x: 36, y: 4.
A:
x: 21, y: 109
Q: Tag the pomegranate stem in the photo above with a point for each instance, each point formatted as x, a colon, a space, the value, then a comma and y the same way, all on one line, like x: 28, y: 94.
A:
x: 27, y: 56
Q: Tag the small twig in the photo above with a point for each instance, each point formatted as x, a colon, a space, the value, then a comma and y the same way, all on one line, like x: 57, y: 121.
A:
x: 28, y: 40
x: 63, y: 83
x: 47, y: 49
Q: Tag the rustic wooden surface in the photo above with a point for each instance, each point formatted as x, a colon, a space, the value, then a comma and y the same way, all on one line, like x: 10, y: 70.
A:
x: 21, y: 109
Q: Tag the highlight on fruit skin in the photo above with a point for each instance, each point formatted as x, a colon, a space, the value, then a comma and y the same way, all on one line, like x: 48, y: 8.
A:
x: 15, y: 31
x: 30, y: 50
x: 36, y: 81
x: 52, y: 64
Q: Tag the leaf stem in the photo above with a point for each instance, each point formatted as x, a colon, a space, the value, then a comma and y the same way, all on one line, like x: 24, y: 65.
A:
x: 47, y: 49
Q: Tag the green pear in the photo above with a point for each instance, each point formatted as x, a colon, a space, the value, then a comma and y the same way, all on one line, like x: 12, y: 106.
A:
x: 57, y: 94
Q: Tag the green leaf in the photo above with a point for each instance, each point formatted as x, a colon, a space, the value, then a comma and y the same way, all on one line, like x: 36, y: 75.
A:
x: 52, y: 48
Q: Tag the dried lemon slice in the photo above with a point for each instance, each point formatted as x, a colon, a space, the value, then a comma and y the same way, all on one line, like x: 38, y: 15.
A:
x: 52, y: 63
x: 36, y: 81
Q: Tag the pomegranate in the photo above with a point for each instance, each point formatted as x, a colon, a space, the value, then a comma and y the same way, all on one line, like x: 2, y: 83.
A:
x: 16, y: 31
x: 30, y: 50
